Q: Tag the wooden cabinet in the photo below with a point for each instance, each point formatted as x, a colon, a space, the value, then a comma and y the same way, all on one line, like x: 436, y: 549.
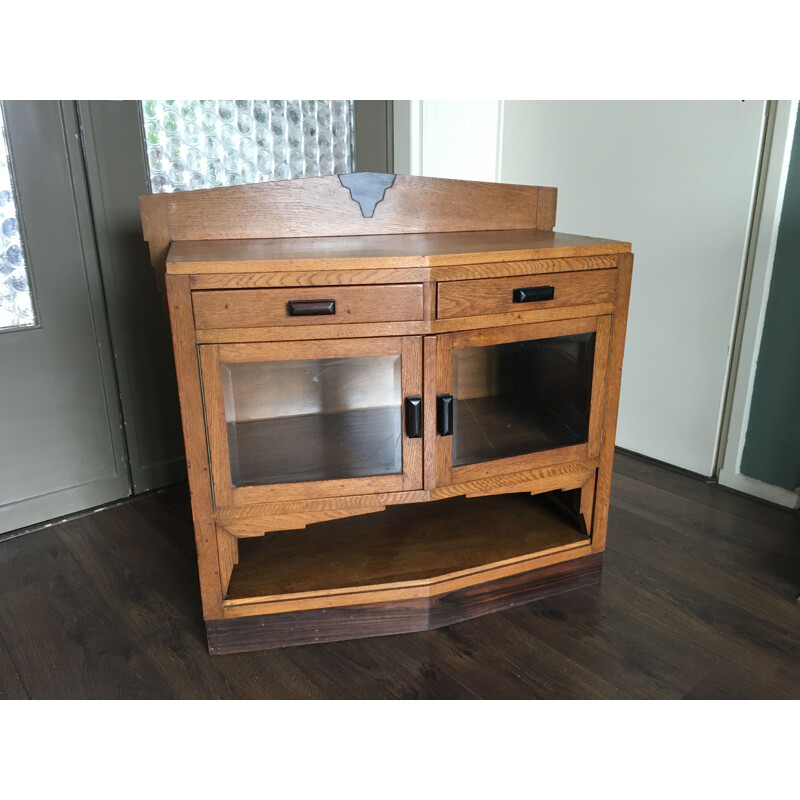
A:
x: 392, y: 422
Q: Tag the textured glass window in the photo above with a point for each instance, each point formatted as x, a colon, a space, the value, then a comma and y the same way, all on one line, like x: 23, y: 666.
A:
x: 16, y: 303
x: 197, y: 144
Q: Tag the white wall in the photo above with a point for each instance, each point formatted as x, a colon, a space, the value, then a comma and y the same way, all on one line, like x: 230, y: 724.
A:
x: 677, y: 180
x: 448, y: 138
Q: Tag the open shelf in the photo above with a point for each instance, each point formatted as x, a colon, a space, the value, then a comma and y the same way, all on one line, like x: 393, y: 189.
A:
x: 404, y: 543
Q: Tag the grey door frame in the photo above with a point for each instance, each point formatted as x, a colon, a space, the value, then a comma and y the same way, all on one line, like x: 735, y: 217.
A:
x: 53, y: 203
x: 117, y: 174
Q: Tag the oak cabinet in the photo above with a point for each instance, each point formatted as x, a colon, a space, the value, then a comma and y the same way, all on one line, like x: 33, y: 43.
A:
x: 391, y: 422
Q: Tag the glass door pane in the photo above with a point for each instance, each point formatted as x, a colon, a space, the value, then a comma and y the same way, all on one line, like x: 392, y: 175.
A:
x: 521, y: 397
x: 313, y: 419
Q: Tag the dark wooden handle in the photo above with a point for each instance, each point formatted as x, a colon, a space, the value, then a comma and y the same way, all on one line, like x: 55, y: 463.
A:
x: 310, y: 308
x: 414, y: 417
x: 532, y: 294
x: 444, y: 414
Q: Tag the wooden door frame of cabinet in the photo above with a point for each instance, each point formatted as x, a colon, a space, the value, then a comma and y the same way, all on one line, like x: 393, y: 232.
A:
x: 408, y: 348
x: 448, y: 475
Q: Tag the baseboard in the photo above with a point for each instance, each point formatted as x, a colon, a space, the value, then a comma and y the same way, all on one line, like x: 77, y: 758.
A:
x: 763, y: 491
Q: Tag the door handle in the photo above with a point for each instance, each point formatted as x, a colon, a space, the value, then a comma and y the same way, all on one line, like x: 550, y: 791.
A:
x: 310, y: 308
x: 444, y: 414
x: 533, y: 294
x: 414, y: 417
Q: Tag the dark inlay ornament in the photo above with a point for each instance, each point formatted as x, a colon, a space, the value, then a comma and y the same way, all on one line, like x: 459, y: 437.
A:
x: 367, y: 188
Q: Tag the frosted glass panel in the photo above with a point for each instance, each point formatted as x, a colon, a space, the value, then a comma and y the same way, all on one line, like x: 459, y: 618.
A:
x: 16, y: 302
x: 197, y: 144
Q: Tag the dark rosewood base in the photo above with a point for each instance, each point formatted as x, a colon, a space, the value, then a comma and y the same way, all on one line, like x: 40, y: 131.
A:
x: 268, y: 631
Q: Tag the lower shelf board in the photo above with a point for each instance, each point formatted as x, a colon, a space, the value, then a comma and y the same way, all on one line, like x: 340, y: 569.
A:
x: 402, y: 544
x: 269, y: 631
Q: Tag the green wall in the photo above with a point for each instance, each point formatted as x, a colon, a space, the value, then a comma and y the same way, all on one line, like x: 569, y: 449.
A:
x: 772, y: 444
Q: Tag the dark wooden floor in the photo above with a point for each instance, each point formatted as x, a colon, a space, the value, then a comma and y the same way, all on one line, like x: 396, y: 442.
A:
x: 697, y: 601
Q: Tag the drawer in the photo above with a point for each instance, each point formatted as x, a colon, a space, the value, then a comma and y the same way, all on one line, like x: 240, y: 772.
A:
x: 472, y: 298
x: 326, y: 305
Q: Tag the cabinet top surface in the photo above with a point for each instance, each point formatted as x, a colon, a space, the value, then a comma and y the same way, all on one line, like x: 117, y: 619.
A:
x: 382, y: 251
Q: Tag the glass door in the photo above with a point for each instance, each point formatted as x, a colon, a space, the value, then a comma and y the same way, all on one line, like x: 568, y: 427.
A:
x: 290, y: 420
x: 519, y: 397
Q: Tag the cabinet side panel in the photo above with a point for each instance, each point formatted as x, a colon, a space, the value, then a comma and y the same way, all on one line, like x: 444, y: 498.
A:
x: 186, y: 366
x: 619, y: 324
x: 155, y: 227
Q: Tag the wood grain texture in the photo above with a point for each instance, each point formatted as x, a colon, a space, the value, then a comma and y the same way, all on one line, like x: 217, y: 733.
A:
x: 495, y: 295
x: 11, y: 686
x: 410, y: 386
x: 322, y: 206
x: 155, y: 228
x: 557, y: 482
x: 374, y: 500
x: 410, y: 547
x: 228, y: 557
x: 347, y: 277
x: 377, y: 329
x: 193, y: 420
x: 516, y: 464
x: 501, y: 335
x: 586, y: 506
x: 550, y: 476
x: 255, y: 519
x: 429, y: 436
x: 251, y: 308
x: 403, y: 591
x: 616, y: 352
x: 599, y: 379
x: 504, y: 269
x: 247, y: 527
x: 546, y: 211
x: 403, y: 616
x: 401, y: 250
x: 322, y: 277
x: 443, y: 445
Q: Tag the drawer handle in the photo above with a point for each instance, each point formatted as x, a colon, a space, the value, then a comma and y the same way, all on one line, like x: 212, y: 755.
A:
x: 533, y: 294
x: 414, y: 417
x: 310, y: 308
x: 444, y: 414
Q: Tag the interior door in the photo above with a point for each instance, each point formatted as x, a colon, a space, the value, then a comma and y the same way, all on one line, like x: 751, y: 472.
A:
x: 61, y: 443
x: 289, y: 420
x: 519, y: 397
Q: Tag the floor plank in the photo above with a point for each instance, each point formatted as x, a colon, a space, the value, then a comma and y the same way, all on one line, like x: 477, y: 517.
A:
x: 11, y: 686
x: 65, y: 642
x: 150, y: 586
